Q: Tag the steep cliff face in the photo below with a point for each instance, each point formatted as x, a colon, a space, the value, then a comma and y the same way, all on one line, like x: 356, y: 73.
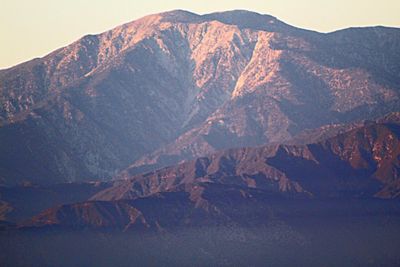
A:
x: 296, y: 81
x: 185, y: 85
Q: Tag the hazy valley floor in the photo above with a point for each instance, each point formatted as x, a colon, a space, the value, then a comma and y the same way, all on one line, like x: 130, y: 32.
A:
x: 369, y: 239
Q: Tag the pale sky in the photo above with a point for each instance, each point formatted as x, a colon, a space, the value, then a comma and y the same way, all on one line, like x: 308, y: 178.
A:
x: 34, y: 28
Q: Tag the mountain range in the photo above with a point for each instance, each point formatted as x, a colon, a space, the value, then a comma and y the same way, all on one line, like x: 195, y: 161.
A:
x: 363, y: 163
x: 181, y: 121
x: 176, y: 85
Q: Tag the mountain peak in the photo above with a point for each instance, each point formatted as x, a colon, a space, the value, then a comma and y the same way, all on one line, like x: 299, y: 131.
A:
x: 238, y: 13
x: 179, y: 15
x: 239, y: 17
x: 205, y: 82
x: 247, y: 19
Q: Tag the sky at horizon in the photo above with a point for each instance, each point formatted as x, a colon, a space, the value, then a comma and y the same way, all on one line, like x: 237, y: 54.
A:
x: 31, y: 29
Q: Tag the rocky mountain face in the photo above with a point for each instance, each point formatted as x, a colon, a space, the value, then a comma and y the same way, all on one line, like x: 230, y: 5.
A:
x: 249, y: 186
x: 363, y: 162
x: 213, y: 205
x: 223, y: 139
x: 177, y: 85
x: 359, y: 164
